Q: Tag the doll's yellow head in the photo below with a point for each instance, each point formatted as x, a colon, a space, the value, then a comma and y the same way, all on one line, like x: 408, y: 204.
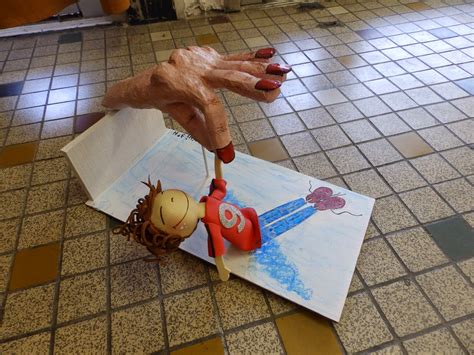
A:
x: 162, y: 219
x: 175, y: 212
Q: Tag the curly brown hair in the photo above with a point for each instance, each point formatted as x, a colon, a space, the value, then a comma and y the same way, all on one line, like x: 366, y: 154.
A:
x: 141, y: 229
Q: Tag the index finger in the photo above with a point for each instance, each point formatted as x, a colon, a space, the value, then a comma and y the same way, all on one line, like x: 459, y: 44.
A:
x: 262, y: 55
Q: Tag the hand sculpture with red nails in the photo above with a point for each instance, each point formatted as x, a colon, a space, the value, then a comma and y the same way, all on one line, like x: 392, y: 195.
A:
x: 184, y: 88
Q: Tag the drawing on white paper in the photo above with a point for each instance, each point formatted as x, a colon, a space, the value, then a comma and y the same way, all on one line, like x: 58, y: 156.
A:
x: 312, y: 231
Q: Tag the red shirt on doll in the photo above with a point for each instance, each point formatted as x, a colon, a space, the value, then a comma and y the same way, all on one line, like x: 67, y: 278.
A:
x: 226, y: 221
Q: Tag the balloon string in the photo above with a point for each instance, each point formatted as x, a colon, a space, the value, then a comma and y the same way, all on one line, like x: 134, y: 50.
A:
x: 352, y: 214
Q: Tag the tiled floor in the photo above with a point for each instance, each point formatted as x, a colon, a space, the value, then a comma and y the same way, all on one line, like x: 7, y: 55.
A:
x: 381, y: 104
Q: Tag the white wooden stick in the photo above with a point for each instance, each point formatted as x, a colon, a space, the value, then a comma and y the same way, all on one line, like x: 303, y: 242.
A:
x: 205, y: 160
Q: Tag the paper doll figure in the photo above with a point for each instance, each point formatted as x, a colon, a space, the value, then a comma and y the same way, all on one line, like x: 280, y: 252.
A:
x: 281, y: 219
x: 163, y: 219
x: 184, y: 88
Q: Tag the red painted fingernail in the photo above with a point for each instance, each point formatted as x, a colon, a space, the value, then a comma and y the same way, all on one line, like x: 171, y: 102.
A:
x: 277, y: 69
x: 267, y: 85
x: 265, y: 53
x: 226, y: 154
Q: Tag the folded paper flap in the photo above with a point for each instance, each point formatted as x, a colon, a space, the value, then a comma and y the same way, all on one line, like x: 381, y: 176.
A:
x: 106, y: 150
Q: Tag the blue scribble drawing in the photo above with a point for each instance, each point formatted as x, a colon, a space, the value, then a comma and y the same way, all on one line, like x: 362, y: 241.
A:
x: 281, y: 219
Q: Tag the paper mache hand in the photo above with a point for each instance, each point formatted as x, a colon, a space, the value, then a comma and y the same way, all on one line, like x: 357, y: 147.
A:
x: 184, y: 87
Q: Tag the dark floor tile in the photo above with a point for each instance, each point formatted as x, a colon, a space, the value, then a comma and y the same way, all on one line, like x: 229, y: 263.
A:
x: 17, y: 154
x: 11, y: 89
x: 268, y: 149
x: 418, y: 6
x: 369, y: 34
x: 205, y: 39
x: 443, y: 33
x: 34, y: 266
x: 454, y: 236
x: 70, y: 38
x: 410, y: 145
x: 218, y: 19
x: 83, y: 122
x: 467, y: 84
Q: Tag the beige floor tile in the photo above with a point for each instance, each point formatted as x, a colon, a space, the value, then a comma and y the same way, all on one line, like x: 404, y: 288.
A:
x: 180, y: 271
x: 122, y: 249
x: 12, y: 203
x: 50, y: 170
x: 50, y: 148
x: 287, y: 124
x: 434, y: 168
x: 459, y: 194
x: 389, y: 350
x: 356, y: 284
x: 3, y: 135
x: 417, y: 250
x: 239, y: 303
x: 8, y: 233
x: 439, y: 341
x: 247, y: 112
x: 401, y: 176
x: 261, y: 339
x: 377, y: 263
x: 448, y: 291
x: 28, y: 310
x: 299, y: 144
x: 46, y: 197
x: 87, y: 337
x: 464, y: 332
x: 279, y: 305
x: 81, y: 296
x: 462, y: 159
x: 57, y: 128
x: 138, y: 329
x: 38, y: 344
x: 41, y: 229
x: 407, y: 310
x: 76, y: 194
x: 82, y: 219
x: 189, y: 316
x: 467, y: 267
x: 5, y: 262
x: 426, y: 204
x: 23, y: 134
x: 347, y: 159
x: 133, y: 282
x: 361, y: 326
x: 316, y: 165
x: 371, y: 231
x: 304, y: 330
x: 84, y: 254
x: 368, y: 183
x: 15, y: 177
x: 257, y: 130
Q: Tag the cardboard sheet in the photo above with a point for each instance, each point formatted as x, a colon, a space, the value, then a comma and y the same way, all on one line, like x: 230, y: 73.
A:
x: 308, y: 254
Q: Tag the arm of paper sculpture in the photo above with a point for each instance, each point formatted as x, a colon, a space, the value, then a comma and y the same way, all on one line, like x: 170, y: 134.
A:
x: 184, y: 88
x: 165, y: 218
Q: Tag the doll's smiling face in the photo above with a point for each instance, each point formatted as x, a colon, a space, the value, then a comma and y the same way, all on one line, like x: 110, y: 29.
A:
x: 175, y: 212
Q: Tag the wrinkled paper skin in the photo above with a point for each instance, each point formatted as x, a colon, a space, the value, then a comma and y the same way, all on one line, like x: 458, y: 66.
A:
x: 184, y: 87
